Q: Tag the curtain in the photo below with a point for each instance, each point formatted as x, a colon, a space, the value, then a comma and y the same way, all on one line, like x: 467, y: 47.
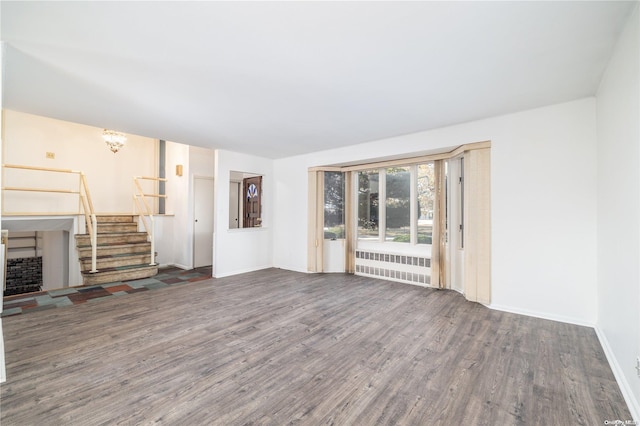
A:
x: 477, y: 225
x: 315, y: 228
x: 438, y: 234
x: 349, y: 222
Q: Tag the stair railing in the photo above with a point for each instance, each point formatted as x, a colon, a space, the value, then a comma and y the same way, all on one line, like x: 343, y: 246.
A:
x: 85, y: 205
x: 144, y: 211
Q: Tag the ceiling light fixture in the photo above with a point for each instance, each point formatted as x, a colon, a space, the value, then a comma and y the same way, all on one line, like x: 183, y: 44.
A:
x: 115, y: 140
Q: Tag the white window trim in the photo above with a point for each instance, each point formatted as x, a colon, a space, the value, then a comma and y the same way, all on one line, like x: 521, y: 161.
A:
x: 382, y: 208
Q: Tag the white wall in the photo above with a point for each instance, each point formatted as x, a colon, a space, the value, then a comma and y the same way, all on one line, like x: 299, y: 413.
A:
x: 180, y: 243
x: 248, y: 249
x: 163, y: 231
x: 50, y: 250
x: 55, y: 259
x: 201, y: 161
x: 3, y: 372
x: 543, y: 169
x: 618, y: 113
x: 455, y: 276
x: 27, y: 138
x: 174, y: 232
x: 201, y: 165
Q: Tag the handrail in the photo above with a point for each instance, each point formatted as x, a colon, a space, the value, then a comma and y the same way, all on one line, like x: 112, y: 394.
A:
x: 63, y: 191
x: 93, y: 229
x: 144, y: 211
x: 42, y: 169
x: 85, y: 205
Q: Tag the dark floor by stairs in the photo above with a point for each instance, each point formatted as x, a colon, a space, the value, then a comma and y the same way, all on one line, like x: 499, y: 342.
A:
x: 33, y: 302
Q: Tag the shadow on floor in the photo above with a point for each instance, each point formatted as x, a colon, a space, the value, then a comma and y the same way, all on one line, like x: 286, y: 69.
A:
x: 33, y: 302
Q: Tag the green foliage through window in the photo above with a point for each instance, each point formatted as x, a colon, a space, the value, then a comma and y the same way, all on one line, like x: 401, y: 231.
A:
x: 397, y: 203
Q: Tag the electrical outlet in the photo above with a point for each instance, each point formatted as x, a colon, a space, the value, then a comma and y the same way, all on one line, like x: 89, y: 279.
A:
x: 51, y: 155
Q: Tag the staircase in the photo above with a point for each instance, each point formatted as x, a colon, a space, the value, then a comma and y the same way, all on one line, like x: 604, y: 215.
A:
x: 123, y: 253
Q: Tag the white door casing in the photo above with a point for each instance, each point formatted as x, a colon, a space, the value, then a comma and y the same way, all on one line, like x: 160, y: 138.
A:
x: 202, y: 221
x: 234, y: 205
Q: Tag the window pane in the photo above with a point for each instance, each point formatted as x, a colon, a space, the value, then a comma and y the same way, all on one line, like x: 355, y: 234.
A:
x: 398, y: 204
x: 426, y: 202
x: 333, y: 205
x: 368, y: 193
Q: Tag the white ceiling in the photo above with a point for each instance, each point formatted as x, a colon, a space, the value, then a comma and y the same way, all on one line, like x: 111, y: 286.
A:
x: 282, y: 78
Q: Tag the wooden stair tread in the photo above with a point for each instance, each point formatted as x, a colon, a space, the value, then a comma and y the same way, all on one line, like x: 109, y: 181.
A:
x: 116, y: 256
x: 113, y: 234
x: 120, y: 269
x: 105, y: 250
x: 118, y: 245
x: 124, y: 218
x: 118, y: 227
x: 108, y: 275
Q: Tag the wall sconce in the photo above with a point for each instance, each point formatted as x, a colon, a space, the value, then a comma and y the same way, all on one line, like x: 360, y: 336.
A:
x: 178, y: 169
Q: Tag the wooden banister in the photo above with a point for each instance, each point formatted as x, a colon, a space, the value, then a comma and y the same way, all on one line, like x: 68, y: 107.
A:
x: 85, y: 205
x: 151, y: 178
x: 86, y: 191
x: 61, y: 191
x: 145, y: 212
x: 42, y: 169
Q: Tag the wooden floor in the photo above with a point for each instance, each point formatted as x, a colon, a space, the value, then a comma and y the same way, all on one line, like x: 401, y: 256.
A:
x: 278, y: 347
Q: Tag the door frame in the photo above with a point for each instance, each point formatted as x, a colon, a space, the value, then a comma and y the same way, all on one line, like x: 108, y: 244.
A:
x: 193, y: 219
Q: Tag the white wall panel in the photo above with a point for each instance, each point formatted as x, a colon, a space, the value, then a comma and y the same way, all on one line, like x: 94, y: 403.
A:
x: 618, y: 109
x: 247, y: 249
x: 28, y: 138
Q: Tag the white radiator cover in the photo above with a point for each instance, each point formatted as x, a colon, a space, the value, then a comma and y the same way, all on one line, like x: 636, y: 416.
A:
x: 409, y: 269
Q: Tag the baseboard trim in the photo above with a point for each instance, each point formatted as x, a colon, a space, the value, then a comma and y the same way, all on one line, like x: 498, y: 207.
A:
x: 625, y: 388
x: 186, y: 268
x: 293, y: 269
x: 3, y: 371
x: 241, y: 271
x: 542, y: 315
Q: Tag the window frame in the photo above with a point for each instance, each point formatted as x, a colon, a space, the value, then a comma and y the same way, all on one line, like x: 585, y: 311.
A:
x: 382, y: 205
x: 341, y: 207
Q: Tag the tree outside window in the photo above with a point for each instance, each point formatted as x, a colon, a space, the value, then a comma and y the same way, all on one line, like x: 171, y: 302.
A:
x: 333, y: 205
x: 398, y: 198
x: 368, y: 205
x: 398, y: 204
x: 426, y: 202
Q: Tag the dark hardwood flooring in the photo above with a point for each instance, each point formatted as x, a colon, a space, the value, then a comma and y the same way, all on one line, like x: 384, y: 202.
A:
x: 278, y: 347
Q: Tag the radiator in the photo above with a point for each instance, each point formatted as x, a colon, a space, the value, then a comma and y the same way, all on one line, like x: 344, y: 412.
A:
x: 394, y: 267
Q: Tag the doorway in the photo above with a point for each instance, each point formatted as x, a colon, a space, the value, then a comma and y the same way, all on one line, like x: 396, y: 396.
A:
x: 252, y: 214
x: 235, y: 205
x: 202, y: 221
